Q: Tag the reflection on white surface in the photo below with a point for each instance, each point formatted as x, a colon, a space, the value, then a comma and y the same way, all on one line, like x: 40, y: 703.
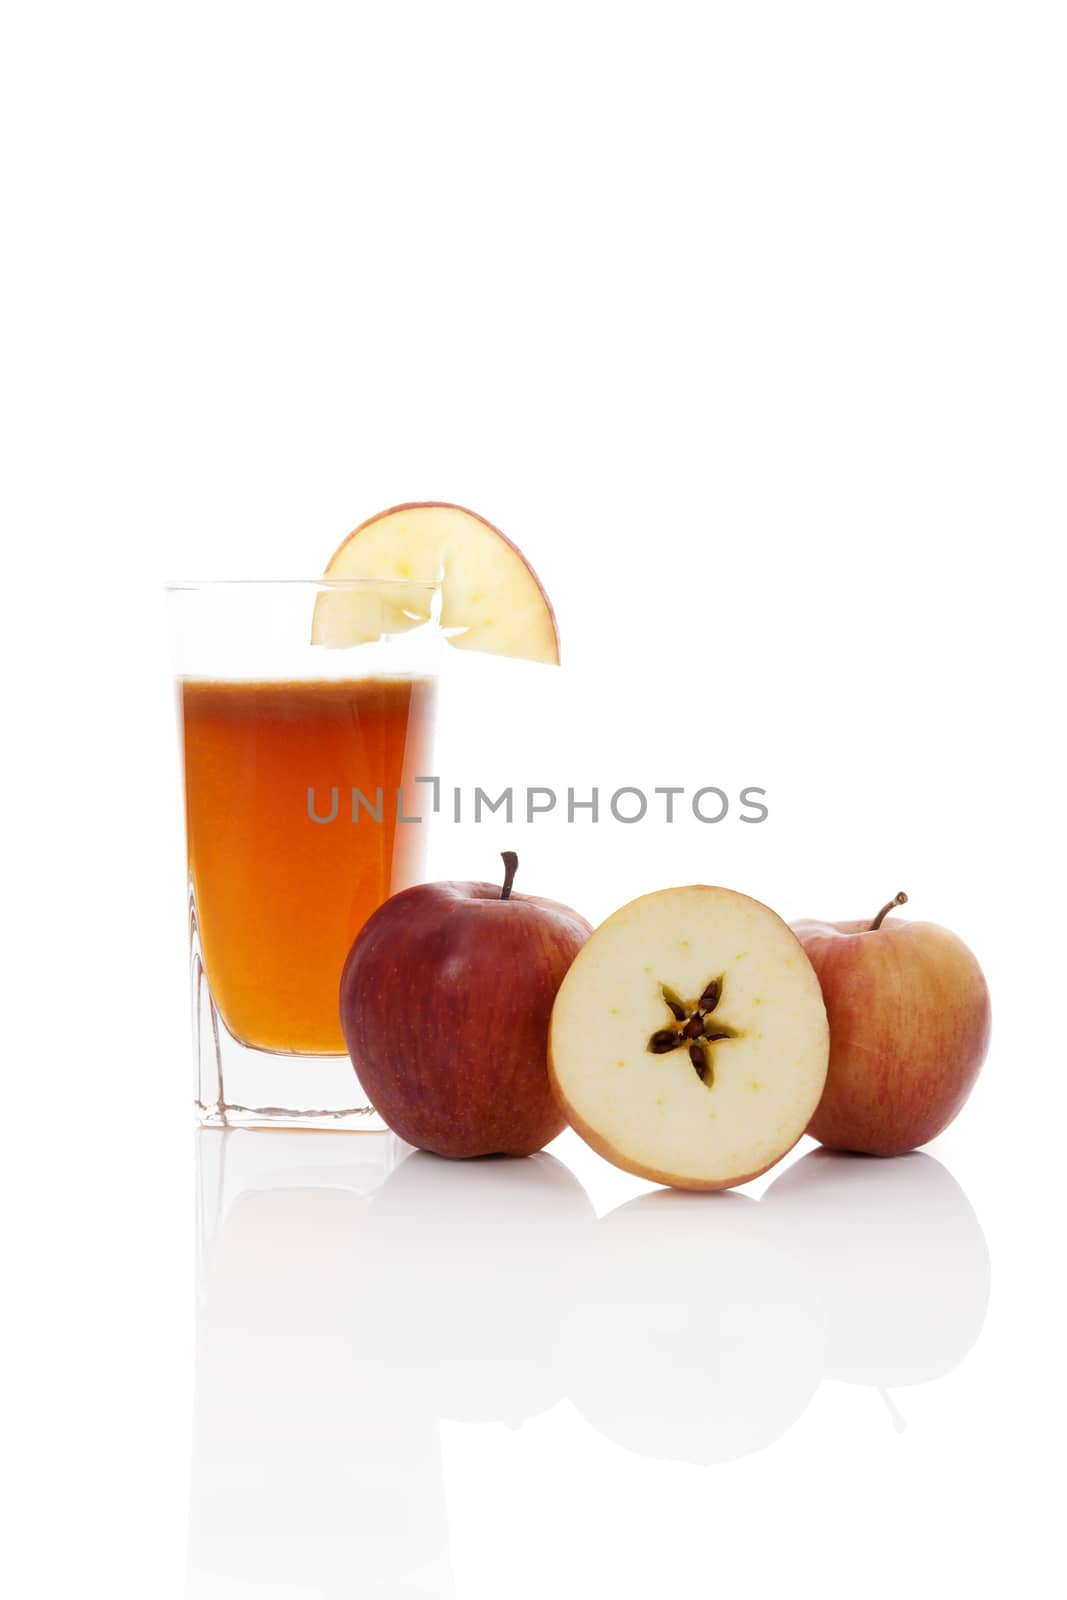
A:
x: 306, y: 1475
x: 467, y: 1270
x: 353, y: 1294
x: 899, y: 1259
x: 349, y: 1299
x: 696, y: 1337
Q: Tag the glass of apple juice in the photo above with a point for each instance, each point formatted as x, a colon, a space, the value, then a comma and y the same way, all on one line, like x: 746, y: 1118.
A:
x: 306, y: 712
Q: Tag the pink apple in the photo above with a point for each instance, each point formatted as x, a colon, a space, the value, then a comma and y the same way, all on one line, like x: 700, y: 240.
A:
x: 445, y: 1003
x: 909, y: 1020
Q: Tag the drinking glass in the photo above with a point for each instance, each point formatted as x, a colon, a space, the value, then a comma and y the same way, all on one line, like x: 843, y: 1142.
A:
x: 306, y: 713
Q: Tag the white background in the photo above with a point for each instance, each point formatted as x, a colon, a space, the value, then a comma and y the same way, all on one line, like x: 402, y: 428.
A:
x: 747, y: 323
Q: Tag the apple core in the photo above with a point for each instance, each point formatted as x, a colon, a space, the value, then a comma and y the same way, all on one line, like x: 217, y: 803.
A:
x: 695, y: 1026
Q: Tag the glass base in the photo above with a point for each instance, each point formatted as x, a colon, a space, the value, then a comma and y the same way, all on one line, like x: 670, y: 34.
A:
x: 241, y: 1087
x: 356, y: 1119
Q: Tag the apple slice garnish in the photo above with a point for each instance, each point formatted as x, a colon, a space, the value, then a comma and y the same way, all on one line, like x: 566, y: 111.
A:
x: 491, y: 599
x: 689, y: 1041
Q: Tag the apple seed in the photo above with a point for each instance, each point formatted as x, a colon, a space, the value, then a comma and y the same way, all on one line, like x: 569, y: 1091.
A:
x: 663, y: 1040
x: 699, y: 1029
x: 673, y: 1004
x: 710, y: 998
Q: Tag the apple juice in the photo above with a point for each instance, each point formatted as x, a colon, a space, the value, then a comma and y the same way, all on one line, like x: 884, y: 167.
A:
x: 294, y: 838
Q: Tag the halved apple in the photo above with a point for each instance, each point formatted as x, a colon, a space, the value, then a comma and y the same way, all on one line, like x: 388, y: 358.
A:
x: 491, y: 599
x: 689, y: 1041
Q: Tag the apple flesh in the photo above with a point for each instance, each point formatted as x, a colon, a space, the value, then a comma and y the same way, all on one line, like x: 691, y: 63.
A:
x: 445, y: 1003
x: 491, y: 599
x: 689, y: 1039
x: 909, y: 1029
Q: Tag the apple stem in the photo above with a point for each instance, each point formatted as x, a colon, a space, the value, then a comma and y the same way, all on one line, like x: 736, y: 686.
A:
x: 900, y: 899
x: 511, y: 866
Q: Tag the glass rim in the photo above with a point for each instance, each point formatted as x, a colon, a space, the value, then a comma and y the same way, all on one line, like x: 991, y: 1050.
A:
x: 188, y: 585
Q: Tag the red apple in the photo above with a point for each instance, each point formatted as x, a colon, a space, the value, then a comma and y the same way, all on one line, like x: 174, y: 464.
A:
x: 446, y: 997
x: 909, y: 1028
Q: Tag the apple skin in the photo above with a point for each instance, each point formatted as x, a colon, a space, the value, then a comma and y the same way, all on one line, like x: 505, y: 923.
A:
x: 445, y: 1003
x: 909, y: 1017
x: 638, y: 1169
